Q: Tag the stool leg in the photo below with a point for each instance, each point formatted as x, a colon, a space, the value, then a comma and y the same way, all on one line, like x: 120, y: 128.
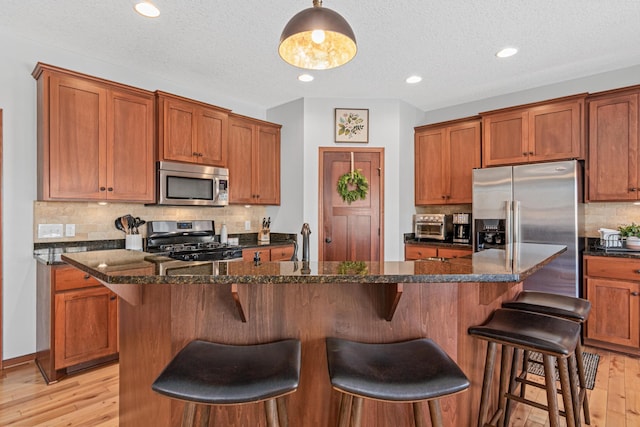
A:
x: 504, y: 382
x: 345, y: 408
x: 550, y: 386
x: 436, y: 414
x: 356, y: 411
x: 565, y: 386
x: 513, y: 384
x: 525, y: 369
x: 205, y: 414
x: 583, y: 384
x: 188, y: 414
x: 575, y: 386
x: 486, y: 382
x: 282, y: 412
x: 271, y: 410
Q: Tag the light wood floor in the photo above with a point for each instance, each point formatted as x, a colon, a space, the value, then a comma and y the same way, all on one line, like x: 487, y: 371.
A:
x: 91, y: 398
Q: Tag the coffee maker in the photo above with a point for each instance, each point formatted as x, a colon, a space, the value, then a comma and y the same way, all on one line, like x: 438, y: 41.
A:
x: 462, y: 228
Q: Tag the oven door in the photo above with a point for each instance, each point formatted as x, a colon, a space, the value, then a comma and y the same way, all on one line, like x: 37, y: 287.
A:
x: 430, y: 230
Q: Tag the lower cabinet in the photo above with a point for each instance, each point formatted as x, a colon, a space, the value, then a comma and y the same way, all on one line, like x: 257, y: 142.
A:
x: 414, y: 252
x: 612, y: 285
x: 269, y: 253
x: 77, y: 321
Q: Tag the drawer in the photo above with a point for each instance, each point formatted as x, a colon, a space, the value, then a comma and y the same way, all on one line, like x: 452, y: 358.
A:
x: 283, y: 253
x: 453, y: 253
x: 248, y: 254
x: 67, y: 278
x: 612, y: 268
x: 413, y: 252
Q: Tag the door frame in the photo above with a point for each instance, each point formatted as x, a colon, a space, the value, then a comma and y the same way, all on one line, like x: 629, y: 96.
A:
x: 1, y: 275
x: 322, y: 150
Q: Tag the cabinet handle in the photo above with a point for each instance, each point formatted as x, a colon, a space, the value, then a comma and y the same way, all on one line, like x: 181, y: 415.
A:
x: 637, y: 271
x: 86, y: 277
x: 110, y: 189
x: 524, y: 153
x: 112, y: 297
x: 195, y: 154
x: 531, y: 153
x: 635, y: 294
x: 633, y: 189
x: 102, y: 188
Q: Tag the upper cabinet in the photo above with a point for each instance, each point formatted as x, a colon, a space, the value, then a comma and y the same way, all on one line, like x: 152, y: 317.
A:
x: 95, y: 138
x: 445, y: 156
x: 191, y: 131
x: 614, y: 162
x: 540, y: 132
x: 254, y: 161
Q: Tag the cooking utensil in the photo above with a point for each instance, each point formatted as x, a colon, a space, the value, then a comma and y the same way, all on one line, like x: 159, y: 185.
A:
x: 118, y: 224
x: 124, y: 224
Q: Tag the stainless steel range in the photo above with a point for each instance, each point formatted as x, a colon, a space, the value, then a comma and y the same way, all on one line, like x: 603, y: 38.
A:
x: 189, y: 241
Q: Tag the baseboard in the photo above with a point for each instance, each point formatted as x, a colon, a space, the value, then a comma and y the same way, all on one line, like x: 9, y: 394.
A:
x: 20, y: 360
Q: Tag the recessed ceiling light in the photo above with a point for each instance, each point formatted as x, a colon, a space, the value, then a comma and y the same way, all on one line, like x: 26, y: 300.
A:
x: 305, y: 78
x: 507, y: 52
x: 413, y: 79
x: 147, y: 9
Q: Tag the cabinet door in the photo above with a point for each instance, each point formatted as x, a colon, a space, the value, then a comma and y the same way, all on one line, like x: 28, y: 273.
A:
x: 556, y: 131
x: 431, y: 168
x: 615, y: 312
x: 266, y: 165
x: 282, y: 253
x: 415, y: 252
x: 77, y: 140
x: 212, y: 137
x: 130, y: 141
x: 178, y: 127
x: 240, y: 162
x: 463, y: 157
x: 613, y: 148
x: 505, y: 140
x: 249, y: 254
x: 85, y: 325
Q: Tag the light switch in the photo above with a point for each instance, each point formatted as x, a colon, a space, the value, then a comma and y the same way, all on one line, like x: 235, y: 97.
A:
x: 70, y: 230
x: 48, y: 231
x: 247, y: 225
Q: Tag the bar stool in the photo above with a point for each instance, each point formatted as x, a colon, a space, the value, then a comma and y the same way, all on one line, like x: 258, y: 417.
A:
x: 410, y: 371
x: 555, y: 338
x: 566, y: 307
x: 205, y: 373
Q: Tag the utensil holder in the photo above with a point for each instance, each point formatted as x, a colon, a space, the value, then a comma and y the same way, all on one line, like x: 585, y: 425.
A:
x: 264, y: 235
x: 133, y: 242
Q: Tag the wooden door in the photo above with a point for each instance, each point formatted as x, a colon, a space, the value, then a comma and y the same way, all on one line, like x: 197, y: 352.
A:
x: 613, y: 148
x: 212, y: 137
x: 130, y: 142
x: 1, y: 276
x: 505, y: 139
x: 266, y: 165
x: 463, y: 157
x: 351, y: 232
x: 178, y: 122
x: 77, y: 139
x: 430, y: 166
x: 556, y: 131
x: 615, y: 313
x: 85, y: 325
x: 240, y: 161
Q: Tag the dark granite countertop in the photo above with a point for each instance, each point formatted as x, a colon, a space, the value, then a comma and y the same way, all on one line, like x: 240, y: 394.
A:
x: 411, y: 239
x: 115, y: 267
x: 593, y: 247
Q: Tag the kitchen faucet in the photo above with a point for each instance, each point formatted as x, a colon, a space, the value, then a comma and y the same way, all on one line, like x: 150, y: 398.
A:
x: 306, y: 231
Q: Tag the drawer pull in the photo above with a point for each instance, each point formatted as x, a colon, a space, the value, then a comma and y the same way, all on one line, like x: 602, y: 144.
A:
x: 635, y: 294
x: 87, y: 277
x: 637, y: 271
x: 113, y: 297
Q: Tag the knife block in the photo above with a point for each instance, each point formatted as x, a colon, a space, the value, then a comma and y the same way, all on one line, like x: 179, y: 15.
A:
x: 264, y: 235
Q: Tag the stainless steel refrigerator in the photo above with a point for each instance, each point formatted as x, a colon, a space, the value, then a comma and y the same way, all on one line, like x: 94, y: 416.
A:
x: 534, y: 203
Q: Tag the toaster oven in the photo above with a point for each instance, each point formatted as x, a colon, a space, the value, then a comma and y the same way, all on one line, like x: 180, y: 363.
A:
x: 433, y: 226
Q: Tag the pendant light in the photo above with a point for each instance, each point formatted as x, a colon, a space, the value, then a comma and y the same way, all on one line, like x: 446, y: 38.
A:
x: 317, y: 39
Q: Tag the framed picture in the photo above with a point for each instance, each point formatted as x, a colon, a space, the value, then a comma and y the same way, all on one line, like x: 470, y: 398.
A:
x: 351, y: 125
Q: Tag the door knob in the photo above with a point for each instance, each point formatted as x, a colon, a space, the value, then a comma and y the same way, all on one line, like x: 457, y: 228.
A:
x: 328, y: 240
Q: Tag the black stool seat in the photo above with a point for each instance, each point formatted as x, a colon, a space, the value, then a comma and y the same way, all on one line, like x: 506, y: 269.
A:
x: 404, y: 371
x: 217, y: 374
x: 576, y: 309
x: 538, y: 332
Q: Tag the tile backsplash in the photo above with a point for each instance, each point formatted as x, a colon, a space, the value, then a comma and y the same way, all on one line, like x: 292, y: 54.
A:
x: 96, y: 222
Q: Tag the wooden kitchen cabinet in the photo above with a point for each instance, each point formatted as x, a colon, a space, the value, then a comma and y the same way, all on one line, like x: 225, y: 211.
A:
x: 614, y: 157
x: 191, y: 131
x: 77, y: 321
x: 269, y: 253
x: 612, y: 285
x: 540, y: 132
x: 254, y: 161
x: 445, y: 156
x: 414, y: 252
x: 95, y: 138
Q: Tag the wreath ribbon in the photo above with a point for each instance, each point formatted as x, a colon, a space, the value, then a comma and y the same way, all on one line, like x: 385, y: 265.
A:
x: 353, y: 179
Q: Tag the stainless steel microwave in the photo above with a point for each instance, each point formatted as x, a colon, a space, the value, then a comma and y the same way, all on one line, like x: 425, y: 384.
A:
x: 185, y: 184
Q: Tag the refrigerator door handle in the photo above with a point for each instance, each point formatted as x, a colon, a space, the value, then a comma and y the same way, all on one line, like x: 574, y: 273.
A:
x: 507, y: 222
x: 516, y: 221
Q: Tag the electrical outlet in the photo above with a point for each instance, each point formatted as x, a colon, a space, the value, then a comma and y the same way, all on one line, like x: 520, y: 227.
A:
x: 247, y: 225
x: 70, y: 230
x: 48, y: 231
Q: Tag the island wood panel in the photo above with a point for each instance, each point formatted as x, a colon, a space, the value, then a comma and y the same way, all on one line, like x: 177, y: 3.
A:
x: 172, y: 315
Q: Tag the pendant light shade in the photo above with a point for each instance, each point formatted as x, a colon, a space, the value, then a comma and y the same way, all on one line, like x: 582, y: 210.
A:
x: 317, y: 39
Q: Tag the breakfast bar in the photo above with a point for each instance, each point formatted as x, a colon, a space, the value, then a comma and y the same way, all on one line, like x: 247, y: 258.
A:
x: 165, y: 304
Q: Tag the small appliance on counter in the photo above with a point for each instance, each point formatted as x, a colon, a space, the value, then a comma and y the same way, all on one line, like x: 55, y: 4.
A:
x: 462, y: 228
x: 433, y: 226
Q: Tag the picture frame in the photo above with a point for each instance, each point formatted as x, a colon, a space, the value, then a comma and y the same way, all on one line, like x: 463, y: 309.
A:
x: 351, y: 125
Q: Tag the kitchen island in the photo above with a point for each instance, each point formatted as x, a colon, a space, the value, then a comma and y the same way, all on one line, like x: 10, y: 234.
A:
x: 165, y: 304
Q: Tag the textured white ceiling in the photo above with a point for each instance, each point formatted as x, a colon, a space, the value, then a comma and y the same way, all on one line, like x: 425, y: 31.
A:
x: 230, y: 47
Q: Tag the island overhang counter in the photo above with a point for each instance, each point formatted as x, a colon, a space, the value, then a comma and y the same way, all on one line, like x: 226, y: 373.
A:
x: 165, y: 304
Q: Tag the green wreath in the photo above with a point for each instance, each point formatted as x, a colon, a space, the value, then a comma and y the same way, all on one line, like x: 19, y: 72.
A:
x: 355, y: 180
x: 352, y: 267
